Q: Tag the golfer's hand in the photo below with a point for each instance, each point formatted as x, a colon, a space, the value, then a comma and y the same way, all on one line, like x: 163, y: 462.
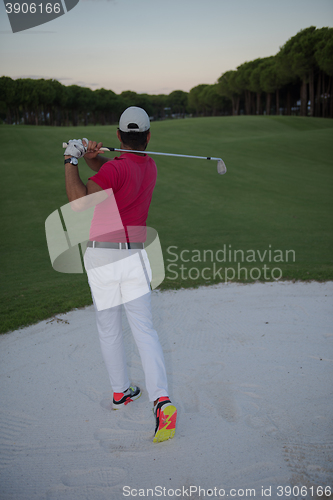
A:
x: 76, y: 148
x: 93, y: 149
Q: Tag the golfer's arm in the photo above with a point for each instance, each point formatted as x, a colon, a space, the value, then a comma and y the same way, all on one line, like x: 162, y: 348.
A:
x: 96, y: 163
x: 75, y: 188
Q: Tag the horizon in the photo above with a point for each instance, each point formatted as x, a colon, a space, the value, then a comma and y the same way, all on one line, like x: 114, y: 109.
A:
x: 172, y: 51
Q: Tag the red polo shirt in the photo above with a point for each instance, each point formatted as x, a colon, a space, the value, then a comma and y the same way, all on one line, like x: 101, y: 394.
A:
x: 132, y: 179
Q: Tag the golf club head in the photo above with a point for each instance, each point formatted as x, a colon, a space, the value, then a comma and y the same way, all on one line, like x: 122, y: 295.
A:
x: 221, y: 168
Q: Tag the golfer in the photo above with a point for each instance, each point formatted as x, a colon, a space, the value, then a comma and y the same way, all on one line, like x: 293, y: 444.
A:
x: 116, y: 262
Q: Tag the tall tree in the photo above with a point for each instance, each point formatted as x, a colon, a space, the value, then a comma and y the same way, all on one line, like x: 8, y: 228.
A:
x: 195, y: 99
x: 159, y: 103
x: 178, y: 102
x: 59, y: 101
x: 129, y: 97
x: 141, y: 100
x: 46, y: 97
x: 106, y: 106
x: 144, y: 101
x: 297, y: 57
x: 215, y: 104
x: 227, y: 86
x: 324, y: 50
x: 73, y: 92
x: 243, y: 80
x: 8, y: 93
x: 270, y: 82
x: 324, y: 59
x: 27, y: 89
x: 85, y: 103
x: 255, y: 84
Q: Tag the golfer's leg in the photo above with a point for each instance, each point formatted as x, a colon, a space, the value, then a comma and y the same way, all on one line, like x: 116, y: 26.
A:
x: 110, y: 333
x: 139, y: 316
x: 103, y: 277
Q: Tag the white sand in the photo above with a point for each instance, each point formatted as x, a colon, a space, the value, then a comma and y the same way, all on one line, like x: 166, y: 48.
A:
x: 250, y: 370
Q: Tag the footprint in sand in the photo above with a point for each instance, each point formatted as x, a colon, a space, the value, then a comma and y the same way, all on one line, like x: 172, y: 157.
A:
x: 209, y: 392
x: 117, y: 440
x: 310, y: 463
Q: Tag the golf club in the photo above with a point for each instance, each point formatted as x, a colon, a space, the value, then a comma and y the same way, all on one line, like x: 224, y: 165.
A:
x: 221, y: 168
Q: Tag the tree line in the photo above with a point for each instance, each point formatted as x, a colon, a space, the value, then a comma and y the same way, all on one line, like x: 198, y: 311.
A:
x: 298, y: 80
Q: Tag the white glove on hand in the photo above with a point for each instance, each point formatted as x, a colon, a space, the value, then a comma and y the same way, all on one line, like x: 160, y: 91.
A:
x: 76, y: 148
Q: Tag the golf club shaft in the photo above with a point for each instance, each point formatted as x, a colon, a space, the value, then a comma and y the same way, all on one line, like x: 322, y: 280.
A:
x: 64, y: 145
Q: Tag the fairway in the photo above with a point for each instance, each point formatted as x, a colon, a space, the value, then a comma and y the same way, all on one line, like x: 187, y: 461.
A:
x: 271, y: 211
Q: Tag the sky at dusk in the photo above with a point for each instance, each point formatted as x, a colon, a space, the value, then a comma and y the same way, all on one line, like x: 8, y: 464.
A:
x: 154, y: 46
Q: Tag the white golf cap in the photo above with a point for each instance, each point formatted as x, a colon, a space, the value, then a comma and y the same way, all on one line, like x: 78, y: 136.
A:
x: 134, y: 119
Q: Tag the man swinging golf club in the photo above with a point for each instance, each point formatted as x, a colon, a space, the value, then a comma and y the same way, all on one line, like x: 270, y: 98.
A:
x: 117, y: 264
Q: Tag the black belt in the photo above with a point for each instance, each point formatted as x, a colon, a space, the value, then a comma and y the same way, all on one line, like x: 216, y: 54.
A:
x: 117, y: 246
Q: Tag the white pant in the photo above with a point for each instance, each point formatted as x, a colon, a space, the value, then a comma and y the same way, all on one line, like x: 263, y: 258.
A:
x: 117, y: 276
x: 124, y: 278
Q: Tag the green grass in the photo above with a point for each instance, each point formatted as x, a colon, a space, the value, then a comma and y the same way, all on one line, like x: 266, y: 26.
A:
x: 277, y: 195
